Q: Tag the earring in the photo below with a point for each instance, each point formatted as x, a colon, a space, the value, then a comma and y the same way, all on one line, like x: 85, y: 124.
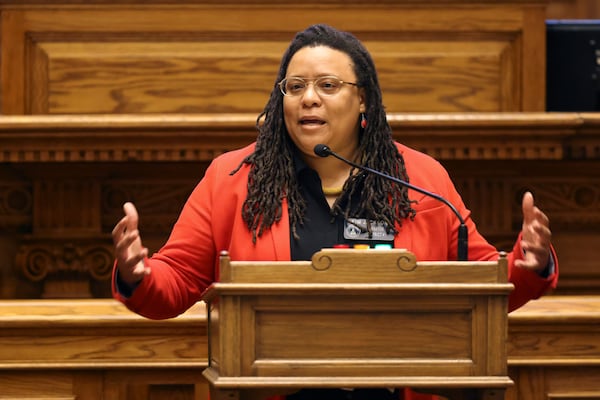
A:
x: 363, y: 121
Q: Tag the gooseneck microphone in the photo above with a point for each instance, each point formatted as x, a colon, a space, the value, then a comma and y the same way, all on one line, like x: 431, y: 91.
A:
x: 323, y: 150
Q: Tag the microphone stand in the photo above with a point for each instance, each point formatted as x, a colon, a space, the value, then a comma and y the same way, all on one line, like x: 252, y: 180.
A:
x: 463, y: 243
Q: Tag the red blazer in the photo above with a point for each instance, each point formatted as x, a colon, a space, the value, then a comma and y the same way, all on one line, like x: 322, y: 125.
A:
x: 211, y: 222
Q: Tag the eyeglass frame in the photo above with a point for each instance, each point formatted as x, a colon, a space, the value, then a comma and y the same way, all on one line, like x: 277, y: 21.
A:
x: 313, y: 80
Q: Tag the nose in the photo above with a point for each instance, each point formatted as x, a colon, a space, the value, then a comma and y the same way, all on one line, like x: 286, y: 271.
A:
x: 310, y: 95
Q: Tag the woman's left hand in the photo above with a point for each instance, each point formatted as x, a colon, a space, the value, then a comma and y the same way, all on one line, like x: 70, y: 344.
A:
x: 535, y: 241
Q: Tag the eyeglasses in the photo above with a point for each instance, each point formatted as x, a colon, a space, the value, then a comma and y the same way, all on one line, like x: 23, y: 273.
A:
x: 324, y: 85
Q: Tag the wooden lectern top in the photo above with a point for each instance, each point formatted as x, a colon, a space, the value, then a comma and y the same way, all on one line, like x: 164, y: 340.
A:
x: 363, y: 266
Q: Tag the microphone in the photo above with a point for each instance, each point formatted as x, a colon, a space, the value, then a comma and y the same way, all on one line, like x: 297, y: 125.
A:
x: 322, y: 150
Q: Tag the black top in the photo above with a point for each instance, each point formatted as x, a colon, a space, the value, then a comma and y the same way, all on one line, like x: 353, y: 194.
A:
x: 321, y: 228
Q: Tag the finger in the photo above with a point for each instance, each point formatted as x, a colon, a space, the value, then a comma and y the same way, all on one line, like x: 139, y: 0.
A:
x: 541, y: 248
x: 119, y: 229
x: 133, y: 266
x: 526, y: 264
x: 126, y: 243
x: 542, y: 218
x: 132, y: 216
x: 533, y: 260
x: 141, y: 269
x: 535, y: 246
x: 135, y: 260
x: 528, y: 207
x: 137, y: 271
x: 537, y: 231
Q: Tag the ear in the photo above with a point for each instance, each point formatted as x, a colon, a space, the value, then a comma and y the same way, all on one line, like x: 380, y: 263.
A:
x: 362, y: 100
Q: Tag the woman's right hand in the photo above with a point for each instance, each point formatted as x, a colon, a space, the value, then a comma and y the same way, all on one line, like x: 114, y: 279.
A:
x: 129, y: 251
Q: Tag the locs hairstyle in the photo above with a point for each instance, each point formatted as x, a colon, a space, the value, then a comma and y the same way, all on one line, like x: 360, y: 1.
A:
x: 272, y: 176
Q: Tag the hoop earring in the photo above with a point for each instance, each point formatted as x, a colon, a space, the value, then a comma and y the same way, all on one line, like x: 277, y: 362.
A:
x: 363, y: 121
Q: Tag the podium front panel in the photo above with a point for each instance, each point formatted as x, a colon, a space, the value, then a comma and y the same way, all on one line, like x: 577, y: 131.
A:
x: 362, y: 334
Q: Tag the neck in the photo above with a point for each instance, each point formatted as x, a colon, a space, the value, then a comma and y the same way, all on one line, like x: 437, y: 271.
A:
x: 333, y: 172
x: 332, y: 191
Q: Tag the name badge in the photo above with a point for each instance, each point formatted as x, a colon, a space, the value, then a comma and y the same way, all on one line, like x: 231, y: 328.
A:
x: 356, y: 229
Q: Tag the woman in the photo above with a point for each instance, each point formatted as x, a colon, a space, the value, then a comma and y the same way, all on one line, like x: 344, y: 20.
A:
x: 277, y: 200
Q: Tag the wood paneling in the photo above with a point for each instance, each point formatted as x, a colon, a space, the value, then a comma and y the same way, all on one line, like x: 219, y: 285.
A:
x: 573, y: 9
x: 97, y: 349
x: 46, y: 351
x: 222, y: 57
x: 63, y: 180
x: 554, y: 350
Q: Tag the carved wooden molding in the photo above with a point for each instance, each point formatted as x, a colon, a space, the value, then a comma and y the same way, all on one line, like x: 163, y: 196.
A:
x: 248, y: 2
x: 16, y: 203
x: 65, y: 266
x: 200, y: 137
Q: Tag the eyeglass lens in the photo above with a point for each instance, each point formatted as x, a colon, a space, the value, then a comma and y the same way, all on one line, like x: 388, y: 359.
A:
x: 326, y: 85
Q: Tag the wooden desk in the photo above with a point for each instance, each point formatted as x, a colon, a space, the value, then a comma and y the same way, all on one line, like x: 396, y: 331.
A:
x: 554, y: 349
x: 62, y: 349
x: 97, y: 349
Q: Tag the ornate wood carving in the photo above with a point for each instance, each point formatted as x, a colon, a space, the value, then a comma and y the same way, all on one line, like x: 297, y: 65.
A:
x: 65, y: 267
x: 16, y: 205
x: 200, y: 137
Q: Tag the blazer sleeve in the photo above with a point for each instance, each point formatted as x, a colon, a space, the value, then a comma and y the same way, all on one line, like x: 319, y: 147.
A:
x: 185, y: 266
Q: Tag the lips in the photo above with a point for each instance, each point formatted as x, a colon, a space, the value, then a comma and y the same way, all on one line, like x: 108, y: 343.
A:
x: 311, y: 121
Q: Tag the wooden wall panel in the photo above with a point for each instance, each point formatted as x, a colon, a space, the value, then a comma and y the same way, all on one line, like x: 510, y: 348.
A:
x: 208, y: 57
x: 179, y: 77
x: 476, y: 76
x: 63, y: 180
x: 573, y: 9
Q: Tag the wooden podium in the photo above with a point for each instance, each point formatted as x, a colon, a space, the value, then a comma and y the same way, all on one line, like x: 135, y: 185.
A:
x: 358, y: 318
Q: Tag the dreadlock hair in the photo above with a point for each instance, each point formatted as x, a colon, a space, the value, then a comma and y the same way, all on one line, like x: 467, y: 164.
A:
x: 272, y: 176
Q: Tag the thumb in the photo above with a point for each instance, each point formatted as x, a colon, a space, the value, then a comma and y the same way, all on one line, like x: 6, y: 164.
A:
x: 528, y: 207
x: 132, y: 216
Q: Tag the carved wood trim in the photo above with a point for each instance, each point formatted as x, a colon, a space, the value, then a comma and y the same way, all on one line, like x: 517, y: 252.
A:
x: 249, y: 2
x: 200, y: 137
x: 65, y: 266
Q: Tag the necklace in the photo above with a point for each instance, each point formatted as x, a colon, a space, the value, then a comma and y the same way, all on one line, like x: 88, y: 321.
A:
x: 332, y: 191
